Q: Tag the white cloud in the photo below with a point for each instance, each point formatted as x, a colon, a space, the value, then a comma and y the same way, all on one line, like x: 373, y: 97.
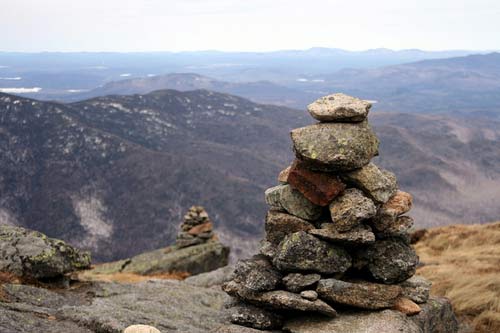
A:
x: 125, y: 75
x: 11, y: 78
x: 20, y: 90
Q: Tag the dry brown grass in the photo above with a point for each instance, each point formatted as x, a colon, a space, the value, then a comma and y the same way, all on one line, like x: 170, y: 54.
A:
x: 463, y: 262
x: 130, y: 277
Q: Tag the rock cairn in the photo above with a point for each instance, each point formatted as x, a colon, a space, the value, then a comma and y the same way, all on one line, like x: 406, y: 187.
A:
x: 196, y: 228
x: 336, y: 234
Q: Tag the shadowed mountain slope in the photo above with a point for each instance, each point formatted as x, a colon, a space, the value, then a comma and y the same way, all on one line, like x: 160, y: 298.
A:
x: 114, y: 174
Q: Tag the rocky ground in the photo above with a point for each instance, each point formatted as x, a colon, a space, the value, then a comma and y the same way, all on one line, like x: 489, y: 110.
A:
x: 194, y: 305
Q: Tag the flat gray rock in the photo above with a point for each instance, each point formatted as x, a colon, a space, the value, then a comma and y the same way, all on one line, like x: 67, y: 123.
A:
x: 359, y: 294
x: 361, y: 234
x: 210, y: 279
x: 278, y: 299
x: 335, y: 146
x: 339, y: 108
x: 284, y: 198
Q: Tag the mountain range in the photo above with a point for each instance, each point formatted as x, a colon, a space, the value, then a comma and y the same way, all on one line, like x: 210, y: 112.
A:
x: 453, y: 85
x: 58, y: 76
x: 115, y: 174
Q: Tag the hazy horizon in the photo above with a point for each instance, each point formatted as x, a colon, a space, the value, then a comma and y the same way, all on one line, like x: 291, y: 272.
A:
x: 241, y: 26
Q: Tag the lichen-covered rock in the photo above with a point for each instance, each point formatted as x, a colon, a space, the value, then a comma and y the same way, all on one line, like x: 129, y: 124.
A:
x: 359, y: 294
x: 318, y: 187
x: 399, y: 228
x: 399, y: 204
x: 279, y: 224
x: 361, y: 234
x: 254, y: 317
x: 256, y: 274
x: 268, y: 249
x: 31, y: 254
x: 283, y: 197
x: 392, y: 261
x: 303, y: 252
x: 380, y: 185
x: 436, y: 317
x: 339, y: 108
x: 194, y: 260
x: 296, y: 282
x: 335, y: 146
x: 350, y: 208
x: 279, y: 299
x: 417, y: 288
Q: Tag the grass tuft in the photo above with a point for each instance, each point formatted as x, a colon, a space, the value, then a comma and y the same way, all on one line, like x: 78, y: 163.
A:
x: 463, y: 262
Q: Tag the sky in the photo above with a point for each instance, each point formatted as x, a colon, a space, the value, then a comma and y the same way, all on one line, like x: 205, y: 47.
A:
x: 249, y: 25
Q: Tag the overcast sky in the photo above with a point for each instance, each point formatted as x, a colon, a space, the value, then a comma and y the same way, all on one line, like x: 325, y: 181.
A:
x: 247, y: 25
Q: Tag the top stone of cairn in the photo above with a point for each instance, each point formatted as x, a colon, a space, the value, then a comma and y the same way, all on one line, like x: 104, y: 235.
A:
x: 339, y: 108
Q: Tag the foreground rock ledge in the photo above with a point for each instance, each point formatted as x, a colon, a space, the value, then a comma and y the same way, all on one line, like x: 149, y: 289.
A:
x: 436, y: 317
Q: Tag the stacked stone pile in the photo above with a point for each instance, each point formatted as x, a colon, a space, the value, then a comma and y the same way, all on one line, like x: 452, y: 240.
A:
x: 196, y: 228
x: 336, y: 234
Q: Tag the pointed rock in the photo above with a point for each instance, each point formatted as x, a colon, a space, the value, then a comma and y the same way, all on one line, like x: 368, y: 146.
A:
x: 339, y: 108
x: 359, y: 294
x: 380, y: 185
x: 283, y: 176
x: 407, y: 306
x: 399, y: 204
x: 319, y: 187
x: 283, y: 197
x: 350, y: 208
x: 335, y: 146
x: 303, y: 252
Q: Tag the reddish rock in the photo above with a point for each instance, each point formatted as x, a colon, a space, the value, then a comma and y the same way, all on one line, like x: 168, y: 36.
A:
x: 407, y: 306
x: 201, y: 228
x: 399, y: 204
x: 283, y: 176
x: 318, y: 187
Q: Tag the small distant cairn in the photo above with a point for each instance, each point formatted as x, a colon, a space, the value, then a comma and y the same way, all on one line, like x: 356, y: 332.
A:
x: 335, y: 232
x: 196, y: 228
